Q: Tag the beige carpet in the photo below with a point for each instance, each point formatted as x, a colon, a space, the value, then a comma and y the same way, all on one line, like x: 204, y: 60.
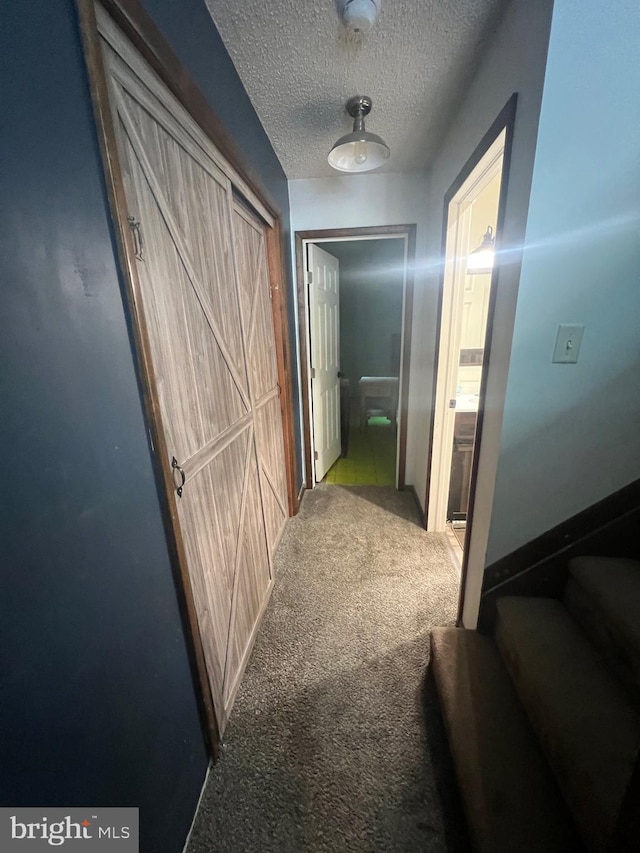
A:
x: 332, y: 745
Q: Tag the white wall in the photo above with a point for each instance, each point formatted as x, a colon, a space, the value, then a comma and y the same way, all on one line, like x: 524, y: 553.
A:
x: 571, y: 433
x: 356, y: 201
x: 514, y: 62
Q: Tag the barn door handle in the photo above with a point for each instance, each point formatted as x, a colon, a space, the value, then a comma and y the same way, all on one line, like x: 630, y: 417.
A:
x: 138, y: 243
x: 176, y: 467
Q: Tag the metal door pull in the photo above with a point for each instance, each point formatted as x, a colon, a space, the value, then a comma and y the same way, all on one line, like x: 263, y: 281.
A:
x: 176, y: 467
x: 138, y: 243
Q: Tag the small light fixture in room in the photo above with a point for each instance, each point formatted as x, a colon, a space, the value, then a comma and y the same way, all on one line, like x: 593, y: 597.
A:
x: 359, y: 16
x: 480, y: 261
x: 359, y: 151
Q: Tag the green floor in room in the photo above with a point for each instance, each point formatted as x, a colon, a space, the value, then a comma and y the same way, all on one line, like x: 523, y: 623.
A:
x: 371, y: 457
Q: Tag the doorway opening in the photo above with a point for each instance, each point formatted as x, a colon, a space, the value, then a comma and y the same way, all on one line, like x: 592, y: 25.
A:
x: 355, y: 297
x: 471, y: 223
x: 474, y: 209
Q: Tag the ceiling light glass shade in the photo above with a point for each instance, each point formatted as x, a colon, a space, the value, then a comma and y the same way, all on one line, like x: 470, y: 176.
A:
x: 480, y: 261
x: 359, y: 151
x: 359, y: 16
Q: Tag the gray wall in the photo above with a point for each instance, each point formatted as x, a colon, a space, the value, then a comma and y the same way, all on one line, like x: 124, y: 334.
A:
x: 97, y: 700
x: 371, y: 284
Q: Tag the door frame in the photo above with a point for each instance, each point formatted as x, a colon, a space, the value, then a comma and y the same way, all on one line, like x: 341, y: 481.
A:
x: 459, y: 216
x: 505, y: 121
x: 140, y: 29
x: 408, y: 232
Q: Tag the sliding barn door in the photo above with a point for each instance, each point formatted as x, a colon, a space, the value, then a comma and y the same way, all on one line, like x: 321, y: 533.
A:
x: 203, y: 275
x: 262, y: 368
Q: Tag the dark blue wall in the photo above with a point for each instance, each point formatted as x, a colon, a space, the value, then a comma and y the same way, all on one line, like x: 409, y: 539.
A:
x: 97, y: 704
x: 371, y: 293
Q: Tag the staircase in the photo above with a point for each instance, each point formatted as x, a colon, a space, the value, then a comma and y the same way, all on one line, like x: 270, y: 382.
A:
x: 543, y: 720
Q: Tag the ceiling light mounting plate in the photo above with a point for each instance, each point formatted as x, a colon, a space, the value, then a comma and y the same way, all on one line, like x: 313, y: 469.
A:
x: 359, y: 105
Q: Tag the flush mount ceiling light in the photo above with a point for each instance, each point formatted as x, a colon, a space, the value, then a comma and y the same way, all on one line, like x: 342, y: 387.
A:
x: 359, y: 151
x: 480, y: 261
x: 359, y: 16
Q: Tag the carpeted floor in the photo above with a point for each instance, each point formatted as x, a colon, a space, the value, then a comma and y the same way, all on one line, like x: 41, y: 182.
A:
x: 335, y: 742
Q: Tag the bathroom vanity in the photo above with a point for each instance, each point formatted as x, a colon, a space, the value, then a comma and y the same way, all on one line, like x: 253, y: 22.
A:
x: 462, y: 455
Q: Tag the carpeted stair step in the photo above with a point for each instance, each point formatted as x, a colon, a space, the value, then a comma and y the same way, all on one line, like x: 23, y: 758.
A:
x: 511, y: 800
x: 583, y: 718
x: 603, y: 595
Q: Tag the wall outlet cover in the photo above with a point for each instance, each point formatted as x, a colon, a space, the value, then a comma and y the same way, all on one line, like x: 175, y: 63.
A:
x: 568, y: 343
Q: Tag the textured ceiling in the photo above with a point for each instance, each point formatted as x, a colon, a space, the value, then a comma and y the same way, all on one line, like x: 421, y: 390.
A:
x: 299, y: 70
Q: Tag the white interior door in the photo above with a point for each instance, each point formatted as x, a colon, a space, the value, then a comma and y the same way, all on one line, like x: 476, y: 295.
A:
x: 449, y: 357
x: 324, y: 331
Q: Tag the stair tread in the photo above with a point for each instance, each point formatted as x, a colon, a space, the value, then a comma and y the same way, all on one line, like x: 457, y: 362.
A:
x: 585, y: 723
x: 614, y: 583
x: 511, y: 799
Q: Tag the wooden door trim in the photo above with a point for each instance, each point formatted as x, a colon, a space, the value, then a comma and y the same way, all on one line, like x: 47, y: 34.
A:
x: 505, y: 121
x: 280, y: 311
x: 408, y: 231
x: 139, y: 28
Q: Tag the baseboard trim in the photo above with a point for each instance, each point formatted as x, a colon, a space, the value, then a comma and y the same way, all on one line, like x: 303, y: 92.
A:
x: 540, y: 567
x: 303, y: 489
x: 195, y: 814
x: 412, y: 490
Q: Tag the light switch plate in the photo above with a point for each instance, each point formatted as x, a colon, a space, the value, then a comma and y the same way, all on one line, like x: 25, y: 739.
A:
x: 568, y: 342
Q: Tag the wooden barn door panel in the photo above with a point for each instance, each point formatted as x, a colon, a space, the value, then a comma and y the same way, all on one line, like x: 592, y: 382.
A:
x: 259, y: 342
x: 252, y: 581
x: 197, y: 390
x: 211, y: 280
x: 257, y: 320
x: 192, y: 192
x: 205, y: 295
x: 274, y: 486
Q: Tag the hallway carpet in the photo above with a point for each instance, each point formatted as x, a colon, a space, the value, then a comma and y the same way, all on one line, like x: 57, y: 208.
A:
x: 334, y: 743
